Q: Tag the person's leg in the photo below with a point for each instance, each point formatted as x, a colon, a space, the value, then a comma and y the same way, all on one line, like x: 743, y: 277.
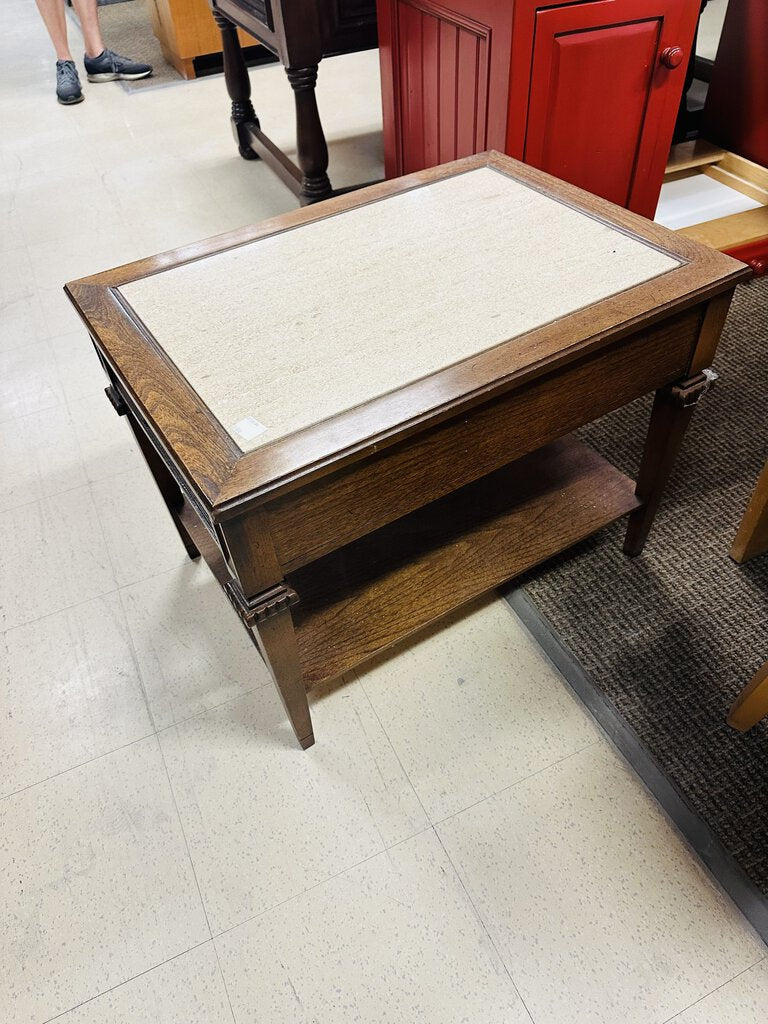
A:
x: 88, y: 15
x: 68, y: 89
x: 53, y: 15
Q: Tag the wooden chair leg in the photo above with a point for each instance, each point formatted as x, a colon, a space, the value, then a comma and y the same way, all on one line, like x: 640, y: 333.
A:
x: 752, y: 536
x: 238, y: 84
x: 276, y: 641
x: 672, y: 410
x: 752, y: 703
x: 310, y: 139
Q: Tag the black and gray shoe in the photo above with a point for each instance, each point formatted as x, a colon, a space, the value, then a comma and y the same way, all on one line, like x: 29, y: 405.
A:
x: 110, y: 67
x: 68, y: 89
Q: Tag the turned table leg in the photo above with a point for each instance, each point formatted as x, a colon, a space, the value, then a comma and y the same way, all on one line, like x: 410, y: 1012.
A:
x: 752, y: 703
x: 238, y: 85
x: 673, y: 408
x: 310, y: 140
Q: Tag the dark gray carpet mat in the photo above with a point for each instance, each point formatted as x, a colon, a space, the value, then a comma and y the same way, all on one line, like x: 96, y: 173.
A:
x: 672, y: 636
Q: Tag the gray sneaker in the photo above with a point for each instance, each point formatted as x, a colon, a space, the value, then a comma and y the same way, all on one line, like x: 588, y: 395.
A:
x: 67, y: 83
x: 110, y: 66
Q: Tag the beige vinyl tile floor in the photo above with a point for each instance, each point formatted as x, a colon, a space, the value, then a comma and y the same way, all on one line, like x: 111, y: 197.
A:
x: 461, y: 845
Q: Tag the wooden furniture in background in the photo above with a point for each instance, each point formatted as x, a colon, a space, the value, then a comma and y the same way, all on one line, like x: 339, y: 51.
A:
x: 185, y: 30
x: 588, y: 91
x: 752, y: 536
x: 736, y: 109
x: 301, y: 33
x: 742, y: 235
x: 752, y: 703
x: 752, y: 540
x: 389, y: 438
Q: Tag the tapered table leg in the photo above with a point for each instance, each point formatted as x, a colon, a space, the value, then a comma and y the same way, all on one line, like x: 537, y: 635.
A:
x: 238, y: 85
x: 673, y: 408
x: 752, y: 536
x: 277, y: 643
x: 310, y: 139
x: 752, y: 703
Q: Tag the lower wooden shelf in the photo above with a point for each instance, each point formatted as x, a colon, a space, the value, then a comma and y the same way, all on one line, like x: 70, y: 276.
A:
x: 366, y: 596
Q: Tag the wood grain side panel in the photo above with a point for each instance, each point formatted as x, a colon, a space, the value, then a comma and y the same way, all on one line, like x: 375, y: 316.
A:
x: 314, y: 520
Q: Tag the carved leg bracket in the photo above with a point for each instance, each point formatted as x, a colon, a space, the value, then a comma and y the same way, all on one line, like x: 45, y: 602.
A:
x: 256, y: 609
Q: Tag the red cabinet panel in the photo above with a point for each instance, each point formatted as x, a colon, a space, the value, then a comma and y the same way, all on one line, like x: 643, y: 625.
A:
x: 582, y: 89
x: 444, y: 89
x: 599, y: 110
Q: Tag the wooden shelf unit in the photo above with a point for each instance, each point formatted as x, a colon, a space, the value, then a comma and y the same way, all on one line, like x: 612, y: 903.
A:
x: 367, y: 595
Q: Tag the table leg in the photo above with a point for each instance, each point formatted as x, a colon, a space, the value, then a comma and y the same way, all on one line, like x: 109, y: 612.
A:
x: 752, y: 703
x: 166, y: 484
x: 673, y: 408
x: 752, y: 536
x: 238, y: 85
x: 310, y: 139
x: 277, y: 643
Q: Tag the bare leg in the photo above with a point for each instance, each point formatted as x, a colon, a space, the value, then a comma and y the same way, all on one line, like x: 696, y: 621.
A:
x: 88, y: 15
x: 56, y: 23
x: 53, y: 15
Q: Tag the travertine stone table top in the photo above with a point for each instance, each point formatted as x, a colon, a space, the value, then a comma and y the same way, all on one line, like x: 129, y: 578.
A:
x: 293, y: 328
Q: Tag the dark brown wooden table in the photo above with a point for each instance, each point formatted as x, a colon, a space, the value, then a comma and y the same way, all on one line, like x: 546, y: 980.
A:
x: 390, y: 436
x: 300, y: 33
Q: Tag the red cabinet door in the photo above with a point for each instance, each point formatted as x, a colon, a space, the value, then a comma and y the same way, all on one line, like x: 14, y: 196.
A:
x: 605, y: 83
x: 444, y: 78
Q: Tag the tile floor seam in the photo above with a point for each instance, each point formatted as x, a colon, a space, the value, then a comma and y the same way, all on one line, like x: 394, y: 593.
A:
x: 44, y: 497
x: 223, y: 980
x: 59, y: 609
x: 127, y: 981
x: 184, y: 837
x: 392, y: 746
x: 323, y: 881
x: 213, y: 707
x: 74, y: 767
x: 482, y: 922
x: 675, y: 1016
x: 505, y: 789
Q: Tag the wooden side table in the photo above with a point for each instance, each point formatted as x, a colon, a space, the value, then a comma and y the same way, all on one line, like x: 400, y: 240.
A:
x: 301, y: 33
x: 390, y: 436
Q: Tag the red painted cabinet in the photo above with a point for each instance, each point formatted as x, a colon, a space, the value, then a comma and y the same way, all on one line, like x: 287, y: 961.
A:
x: 587, y: 90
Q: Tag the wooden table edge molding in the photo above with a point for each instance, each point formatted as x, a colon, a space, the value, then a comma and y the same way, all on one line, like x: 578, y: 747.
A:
x: 335, y: 541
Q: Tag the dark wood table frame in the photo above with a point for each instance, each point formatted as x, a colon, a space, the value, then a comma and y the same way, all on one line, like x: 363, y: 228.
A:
x: 300, y: 32
x: 336, y: 541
